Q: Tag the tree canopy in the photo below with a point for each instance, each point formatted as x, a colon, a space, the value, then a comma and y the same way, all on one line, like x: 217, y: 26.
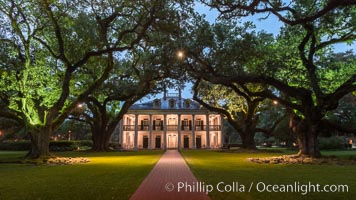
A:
x: 293, y: 67
x: 56, y: 53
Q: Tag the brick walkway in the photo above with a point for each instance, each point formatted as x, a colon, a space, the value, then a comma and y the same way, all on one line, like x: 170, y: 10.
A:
x: 162, y: 182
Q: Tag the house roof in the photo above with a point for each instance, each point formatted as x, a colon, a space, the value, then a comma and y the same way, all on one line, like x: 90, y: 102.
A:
x: 169, y: 103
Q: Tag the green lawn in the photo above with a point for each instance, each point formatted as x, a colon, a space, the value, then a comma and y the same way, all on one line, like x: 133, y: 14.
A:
x: 114, y: 175
x: 117, y: 175
x: 213, y: 167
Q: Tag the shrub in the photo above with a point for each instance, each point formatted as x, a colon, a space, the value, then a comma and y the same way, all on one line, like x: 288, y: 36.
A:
x: 25, y: 145
x: 20, y: 145
x: 86, y: 143
x: 331, y: 143
x: 70, y: 145
x: 63, y: 145
x: 115, y: 145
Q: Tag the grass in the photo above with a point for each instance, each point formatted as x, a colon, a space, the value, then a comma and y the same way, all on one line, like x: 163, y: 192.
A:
x: 212, y: 167
x: 114, y: 175
x: 340, y: 154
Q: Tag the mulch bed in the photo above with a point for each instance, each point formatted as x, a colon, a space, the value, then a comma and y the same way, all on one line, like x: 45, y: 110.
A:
x: 66, y: 160
x: 296, y: 159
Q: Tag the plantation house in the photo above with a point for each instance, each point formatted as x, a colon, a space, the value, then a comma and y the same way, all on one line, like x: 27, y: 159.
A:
x: 170, y: 122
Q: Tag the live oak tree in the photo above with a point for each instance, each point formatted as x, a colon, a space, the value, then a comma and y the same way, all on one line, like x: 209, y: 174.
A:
x: 106, y: 106
x: 311, y: 30
x: 147, y: 69
x: 50, y: 44
x: 224, y: 48
x: 241, y: 111
x: 104, y: 113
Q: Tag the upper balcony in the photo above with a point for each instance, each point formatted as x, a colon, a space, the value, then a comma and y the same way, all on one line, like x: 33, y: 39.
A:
x: 172, y: 128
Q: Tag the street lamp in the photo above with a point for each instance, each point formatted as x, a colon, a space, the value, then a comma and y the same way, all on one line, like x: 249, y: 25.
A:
x: 180, y: 54
x: 69, y: 134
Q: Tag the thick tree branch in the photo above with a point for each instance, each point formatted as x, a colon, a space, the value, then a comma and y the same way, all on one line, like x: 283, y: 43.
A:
x: 331, y: 100
x: 245, y: 8
x: 59, y: 119
x: 269, y: 131
x: 13, y: 115
x: 80, y: 120
x: 58, y: 33
x: 345, y: 37
x: 309, y: 59
x: 296, y: 92
x: 239, y: 92
x: 213, y: 108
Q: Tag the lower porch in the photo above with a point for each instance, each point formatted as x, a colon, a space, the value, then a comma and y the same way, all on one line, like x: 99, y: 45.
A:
x: 171, y: 140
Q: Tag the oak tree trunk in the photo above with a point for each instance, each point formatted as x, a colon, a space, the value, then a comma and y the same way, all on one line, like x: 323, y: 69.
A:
x: 308, y: 143
x: 249, y: 130
x: 101, y: 140
x: 248, y: 141
x: 307, y: 134
x: 40, y: 138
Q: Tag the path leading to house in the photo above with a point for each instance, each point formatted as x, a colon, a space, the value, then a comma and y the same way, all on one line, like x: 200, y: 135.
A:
x: 162, y: 182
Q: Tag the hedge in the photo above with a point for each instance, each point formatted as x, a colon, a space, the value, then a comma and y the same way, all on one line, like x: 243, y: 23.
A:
x: 331, y: 143
x: 25, y: 145
x: 22, y: 145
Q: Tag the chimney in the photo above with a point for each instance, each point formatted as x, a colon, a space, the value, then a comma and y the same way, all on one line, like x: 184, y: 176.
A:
x: 179, y: 93
x: 165, y: 93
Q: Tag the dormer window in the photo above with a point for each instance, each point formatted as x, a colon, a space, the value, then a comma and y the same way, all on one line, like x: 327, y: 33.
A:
x: 172, y: 103
x: 157, y: 103
x: 187, y: 103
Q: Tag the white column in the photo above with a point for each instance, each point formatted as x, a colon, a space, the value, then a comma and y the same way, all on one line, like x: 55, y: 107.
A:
x: 179, y: 131
x: 193, y: 131
x: 136, y: 132
x: 207, y: 132
x: 150, y: 138
x: 121, y: 132
x: 164, y: 131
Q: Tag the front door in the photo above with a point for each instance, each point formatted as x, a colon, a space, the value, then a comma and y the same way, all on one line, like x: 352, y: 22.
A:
x: 172, y: 141
x: 186, y: 142
x: 158, y: 142
x: 145, y: 142
x: 214, y: 141
x: 198, y: 142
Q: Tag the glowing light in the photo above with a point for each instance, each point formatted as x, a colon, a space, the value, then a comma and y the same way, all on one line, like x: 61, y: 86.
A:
x: 80, y: 105
x: 275, y: 102
x: 180, y: 54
